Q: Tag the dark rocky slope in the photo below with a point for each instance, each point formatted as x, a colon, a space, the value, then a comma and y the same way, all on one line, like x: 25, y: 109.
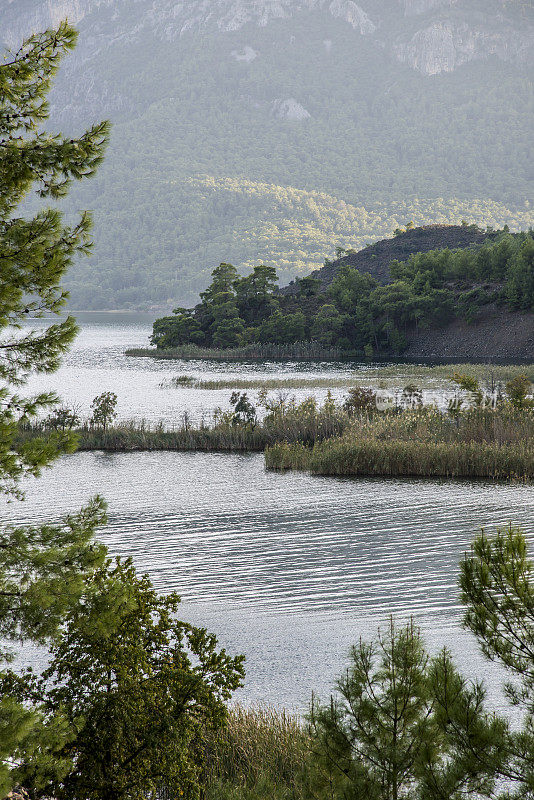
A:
x: 498, y: 334
x: 377, y: 257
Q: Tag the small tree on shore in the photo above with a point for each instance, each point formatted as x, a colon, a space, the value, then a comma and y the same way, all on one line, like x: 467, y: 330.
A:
x: 517, y: 391
x: 104, y: 409
x: 62, y: 418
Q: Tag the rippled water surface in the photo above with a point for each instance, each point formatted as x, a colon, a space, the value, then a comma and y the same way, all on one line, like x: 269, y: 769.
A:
x: 287, y: 568
x: 97, y: 363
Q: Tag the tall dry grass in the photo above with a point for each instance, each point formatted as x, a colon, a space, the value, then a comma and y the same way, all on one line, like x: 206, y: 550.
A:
x: 262, y: 750
x: 476, y: 443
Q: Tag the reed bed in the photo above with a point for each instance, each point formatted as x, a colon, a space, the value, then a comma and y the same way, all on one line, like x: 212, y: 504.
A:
x: 328, y: 440
x: 218, y: 437
x: 261, y: 749
x: 387, y: 376
x: 303, y: 423
x: 479, y: 443
x: 301, y: 351
x: 131, y: 437
x: 261, y: 383
x: 369, y: 457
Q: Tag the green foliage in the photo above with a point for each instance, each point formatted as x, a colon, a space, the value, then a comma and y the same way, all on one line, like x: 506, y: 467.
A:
x: 62, y: 418
x: 42, y: 569
x: 405, y: 725
x: 360, y: 399
x: 135, y: 688
x: 517, y: 390
x: 103, y: 408
x: 354, y: 313
x: 35, y: 253
x: 243, y: 412
x: 497, y: 581
x: 470, y: 385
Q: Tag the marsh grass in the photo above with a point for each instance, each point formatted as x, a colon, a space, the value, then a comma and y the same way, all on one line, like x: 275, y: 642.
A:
x: 478, y: 443
x: 304, y: 422
x: 387, y: 376
x: 261, y: 383
x: 263, y: 753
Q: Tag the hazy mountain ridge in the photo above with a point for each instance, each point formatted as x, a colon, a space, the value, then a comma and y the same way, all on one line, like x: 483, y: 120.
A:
x: 432, y: 43
x: 326, y: 98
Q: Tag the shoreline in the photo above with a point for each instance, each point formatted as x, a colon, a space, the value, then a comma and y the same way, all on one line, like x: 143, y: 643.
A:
x: 328, y: 440
x: 206, y: 354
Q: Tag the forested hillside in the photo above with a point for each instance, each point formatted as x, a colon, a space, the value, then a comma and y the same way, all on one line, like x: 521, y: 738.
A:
x: 253, y: 135
x: 355, y: 313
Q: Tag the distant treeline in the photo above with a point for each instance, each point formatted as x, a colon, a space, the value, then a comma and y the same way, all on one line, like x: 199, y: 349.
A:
x: 356, y: 313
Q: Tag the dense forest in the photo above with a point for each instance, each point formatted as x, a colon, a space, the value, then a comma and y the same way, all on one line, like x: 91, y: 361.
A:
x: 203, y: 165
x: 355, y: 312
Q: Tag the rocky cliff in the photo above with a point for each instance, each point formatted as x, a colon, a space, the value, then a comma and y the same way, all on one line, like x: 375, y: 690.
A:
x: 432, y: 36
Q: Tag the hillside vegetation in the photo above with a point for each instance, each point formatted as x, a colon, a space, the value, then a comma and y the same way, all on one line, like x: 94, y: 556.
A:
x: 276, y: 144
x: 355, y: 313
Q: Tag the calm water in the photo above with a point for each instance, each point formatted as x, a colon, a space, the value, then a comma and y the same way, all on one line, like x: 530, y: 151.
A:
x: 97, y: 364
x: 289, y: 569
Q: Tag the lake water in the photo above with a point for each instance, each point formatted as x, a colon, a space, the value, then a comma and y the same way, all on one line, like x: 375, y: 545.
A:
x: 96, y: 363
x: 289, y: 569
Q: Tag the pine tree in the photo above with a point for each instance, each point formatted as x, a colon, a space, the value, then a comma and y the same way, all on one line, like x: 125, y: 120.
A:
x: 497, y: 581
x: 405, y: 725
x: 41, y: 568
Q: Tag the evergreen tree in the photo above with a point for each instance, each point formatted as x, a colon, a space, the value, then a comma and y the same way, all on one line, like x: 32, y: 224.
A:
x: 254, y: 294
x: 41, y: 569
x: 134, y: 688
x: 405, y: 725
x: 497, y: 581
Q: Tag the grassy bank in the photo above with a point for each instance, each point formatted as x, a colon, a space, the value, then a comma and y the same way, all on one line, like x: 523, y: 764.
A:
x: 477, y: 443
x: 301, y: 351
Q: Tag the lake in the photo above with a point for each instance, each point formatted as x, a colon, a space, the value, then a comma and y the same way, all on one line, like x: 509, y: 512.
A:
x: 288, y: 568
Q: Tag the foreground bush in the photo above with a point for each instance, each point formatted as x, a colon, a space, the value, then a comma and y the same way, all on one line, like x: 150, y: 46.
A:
x: 121, y: 702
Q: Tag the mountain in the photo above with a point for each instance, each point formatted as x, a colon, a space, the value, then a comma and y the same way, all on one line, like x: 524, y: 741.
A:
x: 273, y: 131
